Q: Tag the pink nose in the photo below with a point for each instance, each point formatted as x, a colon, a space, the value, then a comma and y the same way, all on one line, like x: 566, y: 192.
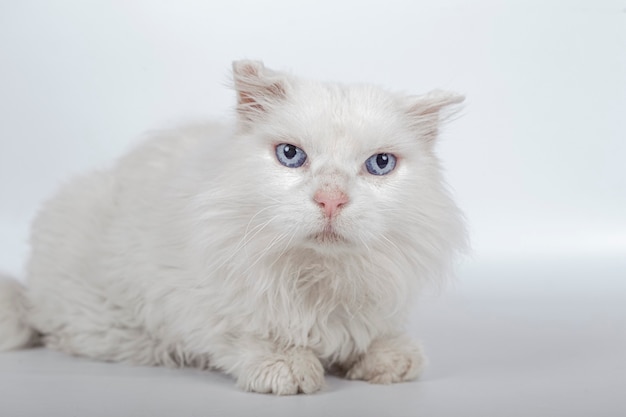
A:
x: 330, y: 201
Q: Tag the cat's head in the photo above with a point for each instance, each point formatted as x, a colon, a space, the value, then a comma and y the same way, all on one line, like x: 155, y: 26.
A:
x: 342, y: 167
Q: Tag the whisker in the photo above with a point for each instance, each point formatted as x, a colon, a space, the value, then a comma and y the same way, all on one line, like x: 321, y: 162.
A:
x: 248, y: 236
x: 364, y: 243
x: 287, y: 245
x: 267, y: 249
x: 387, y: 242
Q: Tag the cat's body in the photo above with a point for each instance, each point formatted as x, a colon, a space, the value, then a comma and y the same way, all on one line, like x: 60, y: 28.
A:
x: 207, y: 246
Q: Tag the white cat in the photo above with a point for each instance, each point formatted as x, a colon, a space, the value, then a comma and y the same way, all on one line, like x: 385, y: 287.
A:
x: 288, y: 244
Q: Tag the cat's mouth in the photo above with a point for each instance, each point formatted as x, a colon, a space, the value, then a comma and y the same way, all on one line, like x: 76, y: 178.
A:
x: 328, y: 235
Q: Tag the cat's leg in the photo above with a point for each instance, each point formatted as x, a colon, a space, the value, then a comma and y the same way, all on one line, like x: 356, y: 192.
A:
x: 262, y: 366
x: 387, y: 360
x: 119, y: 344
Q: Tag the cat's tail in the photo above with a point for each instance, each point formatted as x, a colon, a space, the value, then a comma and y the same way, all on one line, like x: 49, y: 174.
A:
x: 15, y: 333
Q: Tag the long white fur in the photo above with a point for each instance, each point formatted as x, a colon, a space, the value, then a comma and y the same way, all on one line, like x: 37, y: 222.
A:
x: 197, y: 248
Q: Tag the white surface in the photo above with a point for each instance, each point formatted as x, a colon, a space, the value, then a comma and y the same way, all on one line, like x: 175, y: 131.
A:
x: 536, y: 325
x: 522, y: 353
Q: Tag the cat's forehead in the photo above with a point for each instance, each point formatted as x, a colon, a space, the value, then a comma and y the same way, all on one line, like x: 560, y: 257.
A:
x: 347, y: 104
x: 357, y: 117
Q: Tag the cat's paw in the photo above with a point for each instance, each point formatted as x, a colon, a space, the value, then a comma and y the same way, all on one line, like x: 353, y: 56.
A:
x: 387, y: 361
x: 292, y: 372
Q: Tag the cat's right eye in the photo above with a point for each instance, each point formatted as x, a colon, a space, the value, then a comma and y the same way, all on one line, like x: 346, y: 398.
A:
x: 290, y: 156
x: 380, y: 164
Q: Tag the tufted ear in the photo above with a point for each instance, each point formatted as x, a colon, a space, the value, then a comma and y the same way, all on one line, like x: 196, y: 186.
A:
x: 428, y: 111
x: 258, y: 89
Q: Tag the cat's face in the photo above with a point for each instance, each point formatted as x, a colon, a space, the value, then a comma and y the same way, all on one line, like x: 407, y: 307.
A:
x: 335, y: 167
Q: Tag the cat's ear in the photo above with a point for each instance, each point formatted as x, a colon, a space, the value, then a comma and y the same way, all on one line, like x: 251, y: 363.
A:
x: 428, y: 111
x: 258, y: 89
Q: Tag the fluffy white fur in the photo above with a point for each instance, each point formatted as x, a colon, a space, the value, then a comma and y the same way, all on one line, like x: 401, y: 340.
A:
x: 199, y: 248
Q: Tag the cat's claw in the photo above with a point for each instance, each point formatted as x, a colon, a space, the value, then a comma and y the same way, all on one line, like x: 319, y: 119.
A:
x: 293, y: 372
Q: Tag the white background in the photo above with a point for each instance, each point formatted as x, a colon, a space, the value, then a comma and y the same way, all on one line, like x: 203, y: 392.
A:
x: 536, y: 322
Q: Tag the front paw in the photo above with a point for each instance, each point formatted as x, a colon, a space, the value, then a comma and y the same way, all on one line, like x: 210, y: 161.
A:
x: 390, y: 360
x: 292, y: 372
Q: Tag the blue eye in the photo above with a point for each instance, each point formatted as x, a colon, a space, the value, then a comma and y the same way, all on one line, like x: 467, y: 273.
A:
x: 290, y: 156
x: 380, y: 164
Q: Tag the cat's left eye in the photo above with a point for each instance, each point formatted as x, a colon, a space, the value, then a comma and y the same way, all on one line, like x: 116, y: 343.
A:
x: 290, y: 156
x: 380, y: 163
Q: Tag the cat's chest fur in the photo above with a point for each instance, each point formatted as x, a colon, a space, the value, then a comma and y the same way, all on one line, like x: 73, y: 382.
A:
x: 299, y: 298
x: 330, y: 305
